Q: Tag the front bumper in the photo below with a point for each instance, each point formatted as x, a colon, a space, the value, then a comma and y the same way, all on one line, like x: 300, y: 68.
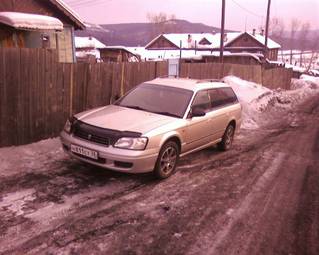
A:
x: 112, y: 158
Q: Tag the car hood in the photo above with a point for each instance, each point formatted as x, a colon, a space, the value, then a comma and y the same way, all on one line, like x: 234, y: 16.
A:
x: 124, y: 119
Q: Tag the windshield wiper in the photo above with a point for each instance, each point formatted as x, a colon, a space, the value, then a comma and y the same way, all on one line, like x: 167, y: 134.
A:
x: 134, y: 107
x: 168, y: 114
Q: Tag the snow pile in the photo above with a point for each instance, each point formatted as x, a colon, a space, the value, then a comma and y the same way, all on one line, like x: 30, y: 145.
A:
x: 306, y: 82
x: 256, y: 99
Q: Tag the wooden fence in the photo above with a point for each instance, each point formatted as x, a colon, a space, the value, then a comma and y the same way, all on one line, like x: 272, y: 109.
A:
x: 37, y: 94
x: 273, y: 78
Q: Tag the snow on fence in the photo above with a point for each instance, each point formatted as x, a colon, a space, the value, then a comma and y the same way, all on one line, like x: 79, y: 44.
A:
x: 38, y: 94
x: 272, y: 78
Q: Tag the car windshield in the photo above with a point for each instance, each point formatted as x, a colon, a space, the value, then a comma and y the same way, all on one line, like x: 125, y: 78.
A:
x: 159, y: 99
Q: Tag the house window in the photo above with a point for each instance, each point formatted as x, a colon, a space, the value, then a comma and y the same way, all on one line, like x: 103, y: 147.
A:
x: 45, y: 41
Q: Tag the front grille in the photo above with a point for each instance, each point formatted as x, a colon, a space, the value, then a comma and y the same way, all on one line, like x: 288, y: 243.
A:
x: 99, y: 135
x: 89, y: 136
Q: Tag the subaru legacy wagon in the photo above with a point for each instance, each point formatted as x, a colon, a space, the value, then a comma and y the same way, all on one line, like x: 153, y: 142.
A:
x: 155, y: 124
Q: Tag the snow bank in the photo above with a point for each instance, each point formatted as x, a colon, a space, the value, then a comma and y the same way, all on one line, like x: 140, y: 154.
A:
x: 256, y: 99
x: 306, y: 82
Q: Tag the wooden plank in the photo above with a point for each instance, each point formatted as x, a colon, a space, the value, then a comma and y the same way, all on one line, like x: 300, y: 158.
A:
x: 24, y: 121
x: 3, y: 98
x: 106, y: 80
x: 11, y: 115
x: 60, y: 95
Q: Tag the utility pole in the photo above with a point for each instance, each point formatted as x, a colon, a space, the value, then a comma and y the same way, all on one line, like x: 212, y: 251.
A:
x: 267, y: 29
x: 222, y: 32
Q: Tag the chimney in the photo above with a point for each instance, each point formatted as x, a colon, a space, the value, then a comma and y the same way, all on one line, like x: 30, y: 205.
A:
x: 262, y: 32
x: 254, y: 31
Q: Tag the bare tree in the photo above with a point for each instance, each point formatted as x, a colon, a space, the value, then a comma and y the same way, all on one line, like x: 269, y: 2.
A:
x: 314, y: 51
x: 276, y: 30
x: 161, y: 23
x: 294, y: 26
x: 302, y: 38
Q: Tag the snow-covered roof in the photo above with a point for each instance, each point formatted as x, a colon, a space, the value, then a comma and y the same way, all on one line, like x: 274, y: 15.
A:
x: 177, y: 38
x: 230, y: 37
x: 88, y: 42
x: 68, y: 11
x: 119, y: 47
x: 28, y: 21
x: 270, y: 43
x: 214, y: 39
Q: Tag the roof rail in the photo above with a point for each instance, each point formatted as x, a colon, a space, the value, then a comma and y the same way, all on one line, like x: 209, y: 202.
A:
x: 167, y: 76
x: 210, y: 80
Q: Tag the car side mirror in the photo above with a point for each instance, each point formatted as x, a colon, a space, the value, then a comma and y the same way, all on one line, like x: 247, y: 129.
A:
x: 198, y: 112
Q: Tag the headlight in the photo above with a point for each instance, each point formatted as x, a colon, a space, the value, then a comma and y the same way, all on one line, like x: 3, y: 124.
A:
x: 68, y: 125
x: 132, y: 143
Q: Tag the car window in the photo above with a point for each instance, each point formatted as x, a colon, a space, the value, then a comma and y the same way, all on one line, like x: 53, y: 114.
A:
x: 165, y: 100
x: 202, y: 101
x: 222, y: 96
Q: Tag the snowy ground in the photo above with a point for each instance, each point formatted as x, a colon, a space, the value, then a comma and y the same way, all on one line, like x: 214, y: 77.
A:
x: 262, y: 197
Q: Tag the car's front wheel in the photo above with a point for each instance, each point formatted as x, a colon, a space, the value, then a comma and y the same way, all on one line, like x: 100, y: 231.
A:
x: 167, y: 160
x: 227, y: 139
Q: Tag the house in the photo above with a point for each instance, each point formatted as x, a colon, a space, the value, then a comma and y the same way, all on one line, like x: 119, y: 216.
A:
x: 178, y: 41
x: 118, y: 54
x: 252, y: 43
x: 234, y: 42
x: 39, y: 24
x: 88, y: 49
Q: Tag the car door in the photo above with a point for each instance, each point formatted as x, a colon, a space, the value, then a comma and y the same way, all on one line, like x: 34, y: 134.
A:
x: 219, y: 115
x: 198, y: 129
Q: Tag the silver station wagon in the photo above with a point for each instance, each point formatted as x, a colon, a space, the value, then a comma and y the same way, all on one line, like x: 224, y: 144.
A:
x: 155, y: 124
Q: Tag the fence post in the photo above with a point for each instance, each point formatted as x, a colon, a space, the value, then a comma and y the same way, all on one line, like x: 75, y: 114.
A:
x: 122, y: 79
x: 71, y: 90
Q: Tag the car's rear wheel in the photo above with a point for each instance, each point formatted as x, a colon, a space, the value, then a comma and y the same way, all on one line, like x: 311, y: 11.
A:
x: 167, y: 160
x: 227, y: 139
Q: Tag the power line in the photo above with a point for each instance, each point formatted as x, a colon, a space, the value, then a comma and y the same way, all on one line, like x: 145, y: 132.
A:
x: 247, y: 10
x: 86, y: 3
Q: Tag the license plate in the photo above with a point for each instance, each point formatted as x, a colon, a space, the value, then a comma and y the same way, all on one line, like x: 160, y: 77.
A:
x: 84, y: 151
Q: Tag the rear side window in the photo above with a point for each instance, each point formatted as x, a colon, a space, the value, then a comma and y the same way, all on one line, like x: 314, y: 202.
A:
x: 202, y: 101
x: 222, y: 96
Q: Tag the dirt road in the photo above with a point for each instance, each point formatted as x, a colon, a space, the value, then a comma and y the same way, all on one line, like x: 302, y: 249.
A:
x: 262, y: 197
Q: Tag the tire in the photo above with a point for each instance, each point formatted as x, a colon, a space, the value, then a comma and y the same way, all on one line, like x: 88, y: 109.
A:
x: 167, y: 160
x: 227, y: 139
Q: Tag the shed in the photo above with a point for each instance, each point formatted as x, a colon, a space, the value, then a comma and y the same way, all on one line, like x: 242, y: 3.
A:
x: 39, y: 24
x: 118, y: 54
x: 88, y: 49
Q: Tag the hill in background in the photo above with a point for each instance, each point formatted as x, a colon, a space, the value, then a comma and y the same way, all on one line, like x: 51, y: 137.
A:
x: 139, y: 34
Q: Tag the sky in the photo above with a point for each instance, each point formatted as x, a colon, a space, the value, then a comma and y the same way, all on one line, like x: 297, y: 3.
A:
x: 240, y: 14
